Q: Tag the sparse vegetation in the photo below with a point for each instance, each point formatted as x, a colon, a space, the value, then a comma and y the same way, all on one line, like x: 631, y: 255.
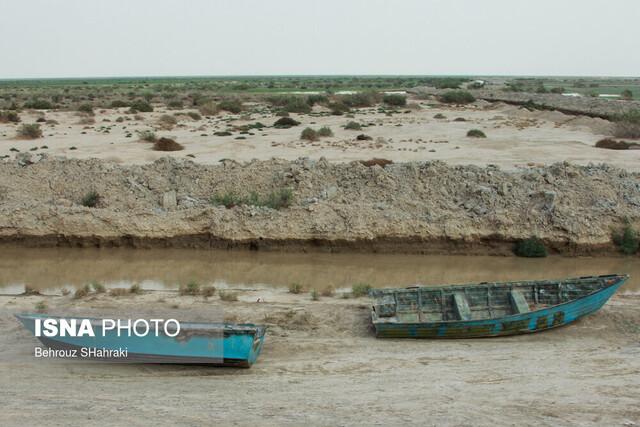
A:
x: 167, y: 144
x: 627, y: 95
x: 82, y: 292
x: 530, y: 248
x: 38, y: 104
x: 627, y: 125
x: 328, y: 291
x: 147, y: 135
x: 295, y: 288
x: 439, y: 116
x: 98, y: 287
x: 360, y: 289
x: 325, y: 132
x: 278, y: 199
x: 30, y: 131
x: 191, y: 288
x: 208, y: 291
x: 315, y: 295
x: 41, y: 307
x: 626, y: 239
x: 91, y: 199
x: 135, y: 289
x: 9, y: 117
x: 86, y: 109
x: 208, y: 109
x: 292, y: 104
x: 476, y: 133
x: 167, y: 121
x: 118, y: 292
x: 231, y: 105
x: 457, y: 97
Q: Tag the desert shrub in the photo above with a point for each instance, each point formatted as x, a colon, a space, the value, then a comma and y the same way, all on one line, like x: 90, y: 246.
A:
x: 557, y: 90
x: 9, y: 117
x: 118, y: 103
x: 231, y: 105
x: 459, y: 119
x: 228, y: 200
x: 314, y: 99
x: 167, y: 144
x: 208, y: 291
x: 363, y: 137
x: 86, y: 108
x: 339, y: 108
x: 141, y: 106
x: 530, y: 248
x: 295, y: 288
x: 228, y: 296
x: 627, y: 125
x: 222, y: 133
x: 191, y: 288
x: 395, y: 99
x: 98, y: 287
x: 439, y: 116
x: 86, y: 119
x: 360, y: 99
x: 208, y: 109
x: 376, y: 161
x: 175, y: 104
x: 82, y: 292
x: 291, y: 104
x: 91, y: 199
x: 279, y: 199
x: 29, y: 131
x: 353, y: 126
x: 285, y: 123
x: 627, y: 239
x: 194, y: 115
x: 612, y: 144
x: 325, y: 131
x: 118, y: 292
x: 38, y: 104
x: 627, y: 95
x: 476, y: 133
x: 315, y: 295
x: 457, y: 97
x: 167, y: 121
x: 360, y: 289
x: 309, y: 134
x: 135, y: 289
x: 328, y: 291
x: 147, y: 135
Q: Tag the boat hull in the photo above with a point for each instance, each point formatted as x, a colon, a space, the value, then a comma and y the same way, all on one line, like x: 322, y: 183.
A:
x: 534, y: 321
x: 221, y: 345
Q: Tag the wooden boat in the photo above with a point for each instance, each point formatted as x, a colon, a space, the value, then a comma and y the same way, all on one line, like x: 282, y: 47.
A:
x: 216, y: 344
x: 488, y: 309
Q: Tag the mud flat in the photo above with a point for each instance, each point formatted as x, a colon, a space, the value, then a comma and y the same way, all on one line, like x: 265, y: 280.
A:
x: 322, y: 365
x: 419, y: 207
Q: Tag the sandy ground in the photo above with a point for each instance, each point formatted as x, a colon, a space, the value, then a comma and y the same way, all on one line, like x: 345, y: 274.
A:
x: 515, y: 137
x: 321, y: 365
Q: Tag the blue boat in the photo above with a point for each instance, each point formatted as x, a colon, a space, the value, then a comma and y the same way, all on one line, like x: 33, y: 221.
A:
x: 216, y: 344
x: 488, y: 309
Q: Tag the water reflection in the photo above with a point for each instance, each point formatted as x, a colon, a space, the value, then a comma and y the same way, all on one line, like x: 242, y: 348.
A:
x: 168, y: 268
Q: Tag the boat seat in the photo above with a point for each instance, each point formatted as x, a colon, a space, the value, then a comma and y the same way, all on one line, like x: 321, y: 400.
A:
x: 462, y: 306
x: 518, y: 302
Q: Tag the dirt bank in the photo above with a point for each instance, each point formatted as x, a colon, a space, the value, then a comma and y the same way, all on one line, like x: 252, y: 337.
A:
x: 424, y: 207
x: 321, y: 365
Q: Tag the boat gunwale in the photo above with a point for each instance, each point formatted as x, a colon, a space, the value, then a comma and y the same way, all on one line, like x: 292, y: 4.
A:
x: 621, y: 279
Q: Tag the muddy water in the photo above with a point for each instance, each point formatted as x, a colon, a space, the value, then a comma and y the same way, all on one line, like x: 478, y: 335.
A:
x: 49, y: 269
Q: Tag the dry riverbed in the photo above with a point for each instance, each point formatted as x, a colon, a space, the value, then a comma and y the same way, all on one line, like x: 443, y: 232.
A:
x: 322, y: 365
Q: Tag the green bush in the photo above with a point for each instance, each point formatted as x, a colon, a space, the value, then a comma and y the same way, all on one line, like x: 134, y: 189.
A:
x: 339, y: 108
x: 231, y: 105
x: 557, y: 90
x: 627, y: 95
x: 291, y: 104
x: 119, y: 104
x: 360, y: 289
x: 324, y: 132
x: 457, y: 97
x: 353, y: 126
x: 191, y: 288
x: 29, y: 131
x: 86, y: 108
x: 91, y: 199
x: 9, y: 117
x: 38, y: 104
x: 309, y: 134
x: 175, y: 104
x: 531, y: 248
x: 394, y: 99
x: 476, y: 133
x: 285, y: 123
x: 141, y: 106
x: 98, y: 287
x: 627, y: 240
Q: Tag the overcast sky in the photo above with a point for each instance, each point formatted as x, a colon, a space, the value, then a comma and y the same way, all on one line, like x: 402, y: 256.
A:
x: 82, y: 38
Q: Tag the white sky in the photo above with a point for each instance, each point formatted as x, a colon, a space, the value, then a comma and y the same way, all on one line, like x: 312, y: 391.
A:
x: 86, y: 38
